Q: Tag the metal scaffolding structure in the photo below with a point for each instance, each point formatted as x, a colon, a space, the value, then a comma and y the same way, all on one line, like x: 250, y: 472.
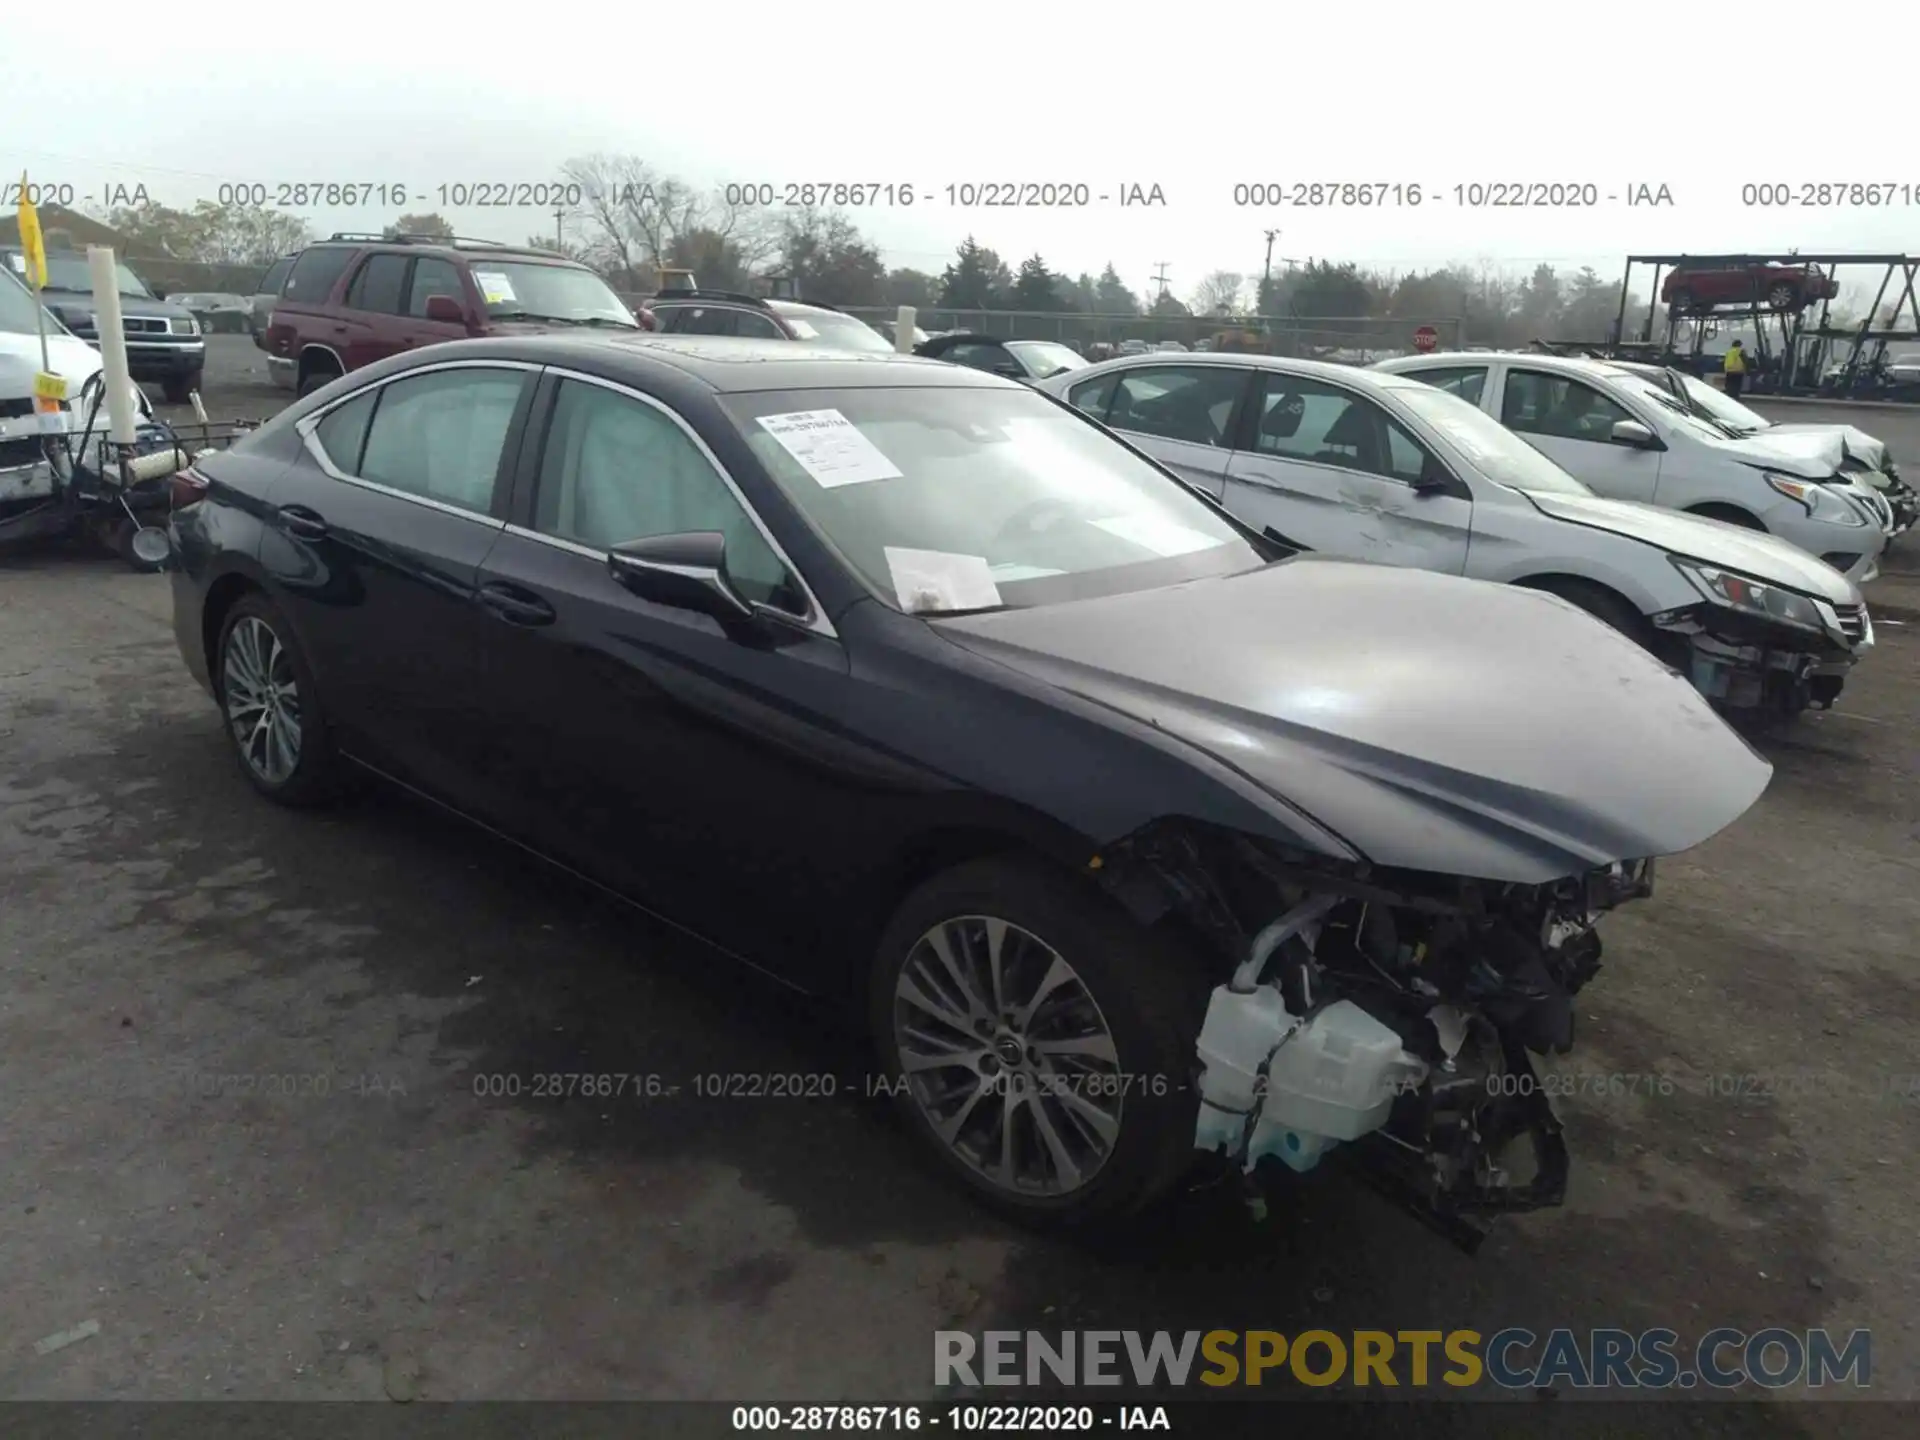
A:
x: 1796, y: 351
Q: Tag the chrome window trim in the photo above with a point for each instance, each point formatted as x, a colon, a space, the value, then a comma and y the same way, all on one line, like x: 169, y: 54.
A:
x: 307, y: 424
x: 815, y: 619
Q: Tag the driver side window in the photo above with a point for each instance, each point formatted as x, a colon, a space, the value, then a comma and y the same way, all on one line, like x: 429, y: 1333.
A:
x: 616, y: 469
x: 1536, y: 403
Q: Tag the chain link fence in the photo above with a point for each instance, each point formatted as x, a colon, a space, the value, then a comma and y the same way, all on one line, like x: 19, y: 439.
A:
x: 1360, y: 339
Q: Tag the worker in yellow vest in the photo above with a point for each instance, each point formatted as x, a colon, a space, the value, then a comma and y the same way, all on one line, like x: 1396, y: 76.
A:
x: 1734, y: 369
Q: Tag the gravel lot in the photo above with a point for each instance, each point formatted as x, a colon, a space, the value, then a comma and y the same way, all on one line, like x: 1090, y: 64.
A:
x: 401, y: 1235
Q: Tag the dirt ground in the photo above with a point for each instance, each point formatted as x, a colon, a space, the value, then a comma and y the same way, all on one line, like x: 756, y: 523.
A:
x: 242, y: 1054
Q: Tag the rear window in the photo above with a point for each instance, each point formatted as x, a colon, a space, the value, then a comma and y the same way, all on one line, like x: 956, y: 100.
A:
x: 836, y: 331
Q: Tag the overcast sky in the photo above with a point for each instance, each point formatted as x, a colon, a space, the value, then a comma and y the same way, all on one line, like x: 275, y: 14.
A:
x: 1195, y: 99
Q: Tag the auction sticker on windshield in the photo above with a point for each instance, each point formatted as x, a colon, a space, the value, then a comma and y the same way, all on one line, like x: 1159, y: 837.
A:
x: 497, y: 288
x: 829, y: 448
x: 927, y: 580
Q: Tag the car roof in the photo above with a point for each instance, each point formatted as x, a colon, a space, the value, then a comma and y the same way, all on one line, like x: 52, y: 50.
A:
x: 726, y: 364
x: 1568, y: 364
x: 434, y: 245
x: 1281, y: 364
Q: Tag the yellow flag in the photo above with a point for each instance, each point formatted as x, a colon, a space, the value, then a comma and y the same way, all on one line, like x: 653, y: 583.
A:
x: 30, y: 241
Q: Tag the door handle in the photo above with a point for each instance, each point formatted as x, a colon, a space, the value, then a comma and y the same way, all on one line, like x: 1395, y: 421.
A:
x: 514, y: 605
x: 302, y: 523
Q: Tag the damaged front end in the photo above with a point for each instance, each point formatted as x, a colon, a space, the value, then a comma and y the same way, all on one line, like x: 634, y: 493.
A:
x: 1394, y: 1014
x: 1754, y: 646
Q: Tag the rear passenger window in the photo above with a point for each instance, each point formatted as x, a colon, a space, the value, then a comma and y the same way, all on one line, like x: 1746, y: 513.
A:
x: 1095, y: 396
x: 440, y: 435
x: 701, y: 320
x: 343, y: 433
x: 1467, y: 381
x: 379, y: 284
x: 275, y: 277
x: 316, y: 270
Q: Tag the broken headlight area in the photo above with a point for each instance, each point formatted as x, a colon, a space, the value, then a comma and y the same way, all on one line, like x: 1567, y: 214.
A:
x: 1752, y: 645
x: 1394, y: 1015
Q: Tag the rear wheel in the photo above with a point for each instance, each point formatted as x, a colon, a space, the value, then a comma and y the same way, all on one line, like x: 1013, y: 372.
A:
x: 1783, y: 297
x: 1039, y: 1043
x: 274, y: 718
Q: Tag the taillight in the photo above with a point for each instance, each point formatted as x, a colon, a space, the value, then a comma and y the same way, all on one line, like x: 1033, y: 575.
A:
x: 187, y: 487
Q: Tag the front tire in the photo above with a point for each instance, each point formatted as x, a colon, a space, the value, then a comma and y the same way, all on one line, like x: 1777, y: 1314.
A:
x: 1783, y: 297
x: 1038, y: 1042
x: 274, y: 719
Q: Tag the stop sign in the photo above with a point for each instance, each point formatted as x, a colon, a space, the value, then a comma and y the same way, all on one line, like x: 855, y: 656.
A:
x: 1426, y: 338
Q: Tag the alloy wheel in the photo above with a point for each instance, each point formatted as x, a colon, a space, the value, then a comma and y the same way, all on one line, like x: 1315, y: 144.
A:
x: 1007, y: 1056
x: 262, y: 697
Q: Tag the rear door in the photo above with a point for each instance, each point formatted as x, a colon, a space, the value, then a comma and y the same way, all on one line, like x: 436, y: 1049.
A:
x: 376, y: 296
x: 1571, y: 422
x: 1326, y: 469
x: 373, y: 546
x: 1182, y: 415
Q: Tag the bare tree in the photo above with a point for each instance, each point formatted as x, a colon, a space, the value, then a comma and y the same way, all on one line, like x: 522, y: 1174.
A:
x: 1220, y: 293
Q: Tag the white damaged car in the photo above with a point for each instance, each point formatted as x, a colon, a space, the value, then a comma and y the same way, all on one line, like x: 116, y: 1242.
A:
x: 1358, y: 464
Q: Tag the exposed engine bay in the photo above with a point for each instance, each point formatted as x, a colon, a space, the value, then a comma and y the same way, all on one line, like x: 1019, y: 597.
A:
x: 1392, y: 1013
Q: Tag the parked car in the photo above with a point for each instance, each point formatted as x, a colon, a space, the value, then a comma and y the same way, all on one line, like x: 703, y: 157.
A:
x: 266, y: 294
x: 886, y: 329
x: 1624, y: 438
x: 1134, y: 347
x: 26, y: 468
x: 218, y: 313
x: 164, y: 342
x: 1013, y: 741
x: 1696, y: 290
x: 351, y: 300
x: 1862, y: 456
x: 1015, y: 359
x: 727, y: 312
x: 1368, y: 466
x: 1171, y: 345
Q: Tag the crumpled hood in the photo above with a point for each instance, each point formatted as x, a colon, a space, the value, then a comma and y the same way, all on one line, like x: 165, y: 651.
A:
x: 1856, y: 442
x: 1751, y: 552
x: 1434, y: 723
x: 1807, y: 455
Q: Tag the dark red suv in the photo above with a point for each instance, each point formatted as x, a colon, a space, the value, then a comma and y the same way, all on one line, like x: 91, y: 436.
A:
x: 1696, y: 290
x: 350, y: 300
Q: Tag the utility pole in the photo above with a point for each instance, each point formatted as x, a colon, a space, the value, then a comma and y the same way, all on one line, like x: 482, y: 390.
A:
x: 559, y: 217
x: 1266, y: 270
x: 1160, y: 278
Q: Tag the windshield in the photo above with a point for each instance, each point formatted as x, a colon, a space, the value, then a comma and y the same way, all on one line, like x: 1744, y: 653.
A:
x: 952, y: 498
x: 1492, y: 449
x: 1723, y: 407
x: 19, y: 311
x: 839, y: 332
x: 1671, y: 411
x: 1044, y: 359
x: 71, y: 272
x: 528, y: 290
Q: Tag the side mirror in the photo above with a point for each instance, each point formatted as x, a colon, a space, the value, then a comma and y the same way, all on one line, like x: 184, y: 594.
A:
x: 446, y: 309
x: 687, y: 571
x: 1435, y: 479
x: 1632, y: 432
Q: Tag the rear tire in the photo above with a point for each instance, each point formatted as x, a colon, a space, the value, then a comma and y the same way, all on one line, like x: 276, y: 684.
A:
x: 1091, y: 1069
x: 274, y: 719
x: 1783, y: 297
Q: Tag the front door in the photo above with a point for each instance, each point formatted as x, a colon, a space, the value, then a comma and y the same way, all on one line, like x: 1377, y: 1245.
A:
x: 1324, y: 468
x: 641, y: 743
x: 1571, y: 423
